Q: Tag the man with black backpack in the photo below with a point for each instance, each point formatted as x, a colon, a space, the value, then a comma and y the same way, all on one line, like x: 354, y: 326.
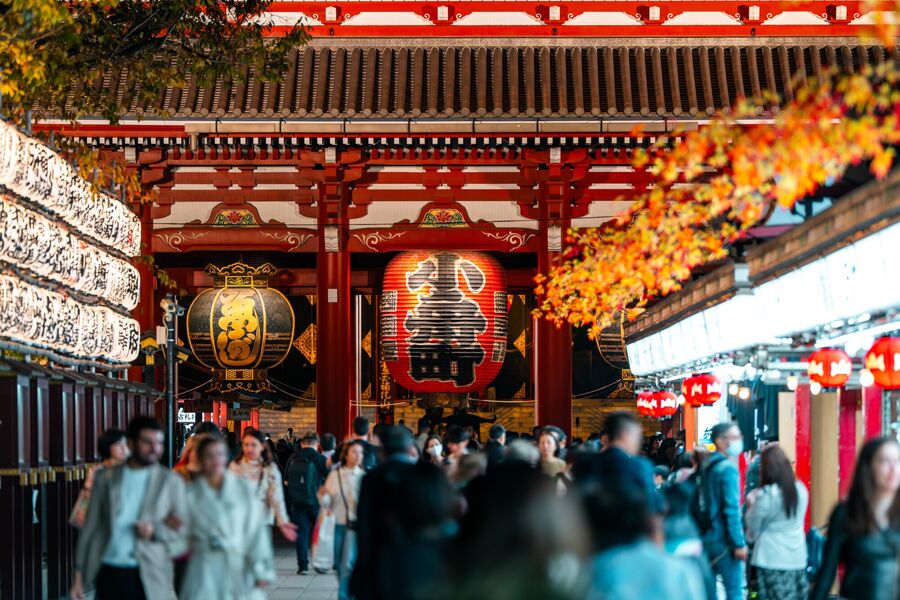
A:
x: 716, y: 509
x: 304, y: 474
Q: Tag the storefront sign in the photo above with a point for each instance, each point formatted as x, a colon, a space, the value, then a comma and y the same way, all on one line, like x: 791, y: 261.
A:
x: 239, y: 414
x: 186, y: 417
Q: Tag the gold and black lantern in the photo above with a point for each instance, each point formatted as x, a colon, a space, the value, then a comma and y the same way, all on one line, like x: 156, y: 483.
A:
x: 240, y: 328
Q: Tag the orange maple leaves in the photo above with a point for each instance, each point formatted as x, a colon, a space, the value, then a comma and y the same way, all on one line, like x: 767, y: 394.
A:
x: 683, y: 222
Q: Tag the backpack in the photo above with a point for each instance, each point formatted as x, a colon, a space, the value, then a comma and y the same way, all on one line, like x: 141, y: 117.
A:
x: 700, y: 505
x: 303, y: 481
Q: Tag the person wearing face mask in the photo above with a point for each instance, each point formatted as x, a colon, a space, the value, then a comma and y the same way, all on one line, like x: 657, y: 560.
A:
x: 718, y: 512
x: 433, y: 451
x: 864, y: 531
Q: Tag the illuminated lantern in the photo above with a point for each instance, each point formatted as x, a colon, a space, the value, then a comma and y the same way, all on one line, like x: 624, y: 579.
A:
x: 702, y: 390
x: 241, y: 327
x: 883, y: 360
x: 444, y: 320
x: 647, y: 404
x: 829, y: 367
x: 666, y: 404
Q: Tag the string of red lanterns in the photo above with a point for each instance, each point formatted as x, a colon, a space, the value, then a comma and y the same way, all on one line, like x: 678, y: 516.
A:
x: 658, y: 405
x: 702, y: 390
x: 828, y: 367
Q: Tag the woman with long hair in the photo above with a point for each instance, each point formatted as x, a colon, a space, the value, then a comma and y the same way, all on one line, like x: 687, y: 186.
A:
x: 257, y: 467
x: 775, y: 518
x: 113, y: 450
x: 340, y: 495
x: 231, y: 547
x: 864, y: 531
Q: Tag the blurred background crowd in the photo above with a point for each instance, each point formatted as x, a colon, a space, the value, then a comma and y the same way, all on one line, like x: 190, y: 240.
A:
x: 398, y: 514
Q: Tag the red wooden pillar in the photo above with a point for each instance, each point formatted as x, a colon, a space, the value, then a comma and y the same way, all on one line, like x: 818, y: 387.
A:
x: 873, y: 407
x: 849, y: 401
x: 335, y: 352
x: 145, y: 313
x: 552, y: 344
x: 803, y: 439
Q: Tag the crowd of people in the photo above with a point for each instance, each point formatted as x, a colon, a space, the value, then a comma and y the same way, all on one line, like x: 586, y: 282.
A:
x: 520, y: 516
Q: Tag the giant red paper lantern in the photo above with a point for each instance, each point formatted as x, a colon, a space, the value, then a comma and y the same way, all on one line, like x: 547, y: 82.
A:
x: 666, y: 404
x: 647, y: 404
x: 830, y: 367
x: 443, y: 320
x: 883, y: 360
x: 702, y: 390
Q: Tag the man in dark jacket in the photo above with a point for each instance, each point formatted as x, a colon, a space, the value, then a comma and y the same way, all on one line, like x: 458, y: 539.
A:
x: 719, y: 517
x: 495, y: 449
x: 304, y: 474
x: 619, y: 465
x: 389, y: 564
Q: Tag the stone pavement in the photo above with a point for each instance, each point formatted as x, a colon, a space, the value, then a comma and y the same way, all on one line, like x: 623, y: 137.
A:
x: 290, y: 586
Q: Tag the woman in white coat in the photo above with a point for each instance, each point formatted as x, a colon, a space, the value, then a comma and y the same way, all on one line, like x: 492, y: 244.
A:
x: 776, y: 514
x: 257, y: 468
x: 231, y: 548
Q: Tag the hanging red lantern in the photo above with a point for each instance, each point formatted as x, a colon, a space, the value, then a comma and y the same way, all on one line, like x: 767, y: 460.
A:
x: 702, y: 390
x: 666, y: 404
x: 647, y: 404
x: 443, y: 320
x: 883, y: 361
x: 829, y: 367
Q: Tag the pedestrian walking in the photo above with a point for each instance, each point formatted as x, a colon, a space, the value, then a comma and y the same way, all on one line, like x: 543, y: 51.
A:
x: 718, y: 512
x: 864, y: 531
x: 775, y: 518
x: 622, y: 523
x: 188, y: 468
x: 256, y: 466
x: 113, y: 450
x: 340, y: 496
x: 620, y: 465
x: 231, y: 547
x: 305, y: 473
x: 361, y: 432
x: 495, y: 449
x: 402, y: 517
x: 457, y: 446
x: 549, y: 447
x: 132, y: 530
x: 433, y: 451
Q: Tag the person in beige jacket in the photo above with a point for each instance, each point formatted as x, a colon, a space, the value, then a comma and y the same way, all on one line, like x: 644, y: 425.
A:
x: 134, y: 525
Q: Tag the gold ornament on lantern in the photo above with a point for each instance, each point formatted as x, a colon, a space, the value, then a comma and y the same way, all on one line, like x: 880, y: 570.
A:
x: 240, y: 328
